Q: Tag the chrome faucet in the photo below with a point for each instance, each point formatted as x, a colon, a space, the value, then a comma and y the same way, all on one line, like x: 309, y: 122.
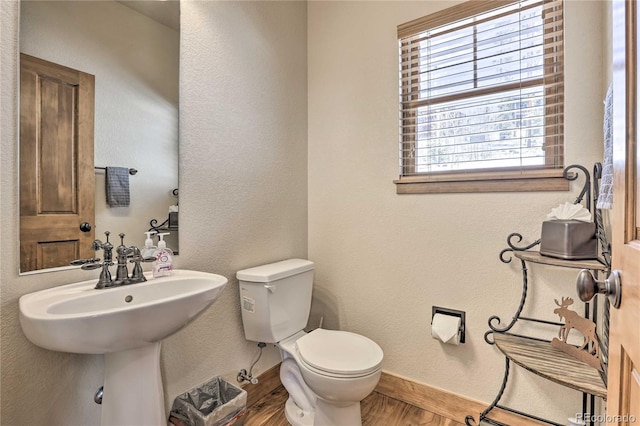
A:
x: 122, y: 273
x: 104, y: 280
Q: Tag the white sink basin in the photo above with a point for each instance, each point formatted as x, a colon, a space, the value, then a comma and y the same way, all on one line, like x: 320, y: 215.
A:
x: 126, y: 324
x: 78, y: 318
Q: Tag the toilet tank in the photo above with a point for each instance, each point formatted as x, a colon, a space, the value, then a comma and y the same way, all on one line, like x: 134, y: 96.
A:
x: 275, y: 299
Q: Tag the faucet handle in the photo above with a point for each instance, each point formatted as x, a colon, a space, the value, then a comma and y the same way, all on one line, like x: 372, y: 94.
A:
x: 143, y: 259
x: 91, y: 266
x: 83, y: 261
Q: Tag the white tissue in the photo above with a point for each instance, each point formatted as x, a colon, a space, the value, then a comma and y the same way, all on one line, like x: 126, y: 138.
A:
x: 446, y: 328
x: 568, y: 211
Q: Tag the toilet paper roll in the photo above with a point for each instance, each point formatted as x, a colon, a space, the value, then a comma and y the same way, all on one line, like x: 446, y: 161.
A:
x: 446, y: 328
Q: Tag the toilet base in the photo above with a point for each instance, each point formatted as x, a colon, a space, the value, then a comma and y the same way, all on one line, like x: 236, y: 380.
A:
x: 325, y: 414
x: 297, y: 416
x: 332, y: 415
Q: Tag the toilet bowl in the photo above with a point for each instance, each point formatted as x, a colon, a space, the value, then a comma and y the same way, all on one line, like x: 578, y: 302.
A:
x: 338, y: 369
x: 326, y: 372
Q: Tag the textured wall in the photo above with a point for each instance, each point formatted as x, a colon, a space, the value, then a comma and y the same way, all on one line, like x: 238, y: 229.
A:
x: 135, y: 62
x: 243, y: 166
x: 243, y: 201
x: 385, y: 259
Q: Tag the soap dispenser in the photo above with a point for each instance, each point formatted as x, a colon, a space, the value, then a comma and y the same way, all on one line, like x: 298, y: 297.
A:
x: 163, y: 265
x: 149, y: 248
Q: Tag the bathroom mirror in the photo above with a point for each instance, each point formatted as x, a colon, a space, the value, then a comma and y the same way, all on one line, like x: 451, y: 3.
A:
x: 131, y: 48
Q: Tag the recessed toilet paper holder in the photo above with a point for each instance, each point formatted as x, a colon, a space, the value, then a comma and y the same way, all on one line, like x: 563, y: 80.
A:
x: 452, y: 312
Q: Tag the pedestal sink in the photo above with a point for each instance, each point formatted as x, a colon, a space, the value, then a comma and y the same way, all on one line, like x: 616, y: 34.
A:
x: 126, y: 324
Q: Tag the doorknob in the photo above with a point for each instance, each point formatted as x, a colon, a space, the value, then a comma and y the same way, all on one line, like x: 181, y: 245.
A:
x: 85, y: 227
x: 588, y: 287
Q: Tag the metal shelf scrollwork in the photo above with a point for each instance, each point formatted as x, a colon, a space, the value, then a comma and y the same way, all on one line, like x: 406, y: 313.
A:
x: 494, y: 320
x: 154, y: 226
x: 166, y: 225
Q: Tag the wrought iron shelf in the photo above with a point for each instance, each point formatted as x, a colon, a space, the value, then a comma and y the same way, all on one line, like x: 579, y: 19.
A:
x: 536, y: 355
x: 540, y: 358
x: 536, y: 257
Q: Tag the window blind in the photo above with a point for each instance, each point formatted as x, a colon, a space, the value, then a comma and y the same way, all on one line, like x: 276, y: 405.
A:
x: 481, y: 88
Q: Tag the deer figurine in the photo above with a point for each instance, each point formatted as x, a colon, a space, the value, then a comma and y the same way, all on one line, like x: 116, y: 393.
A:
x: 573, y: 320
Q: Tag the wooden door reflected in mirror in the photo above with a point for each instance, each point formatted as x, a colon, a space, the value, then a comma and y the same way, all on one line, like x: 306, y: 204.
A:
x: 56, y: 164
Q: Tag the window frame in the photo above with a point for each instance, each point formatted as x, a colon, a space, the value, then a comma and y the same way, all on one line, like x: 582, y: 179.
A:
x: 548, y: 177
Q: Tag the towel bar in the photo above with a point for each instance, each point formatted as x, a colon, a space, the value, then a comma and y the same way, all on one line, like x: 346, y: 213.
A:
x: 131, y: 171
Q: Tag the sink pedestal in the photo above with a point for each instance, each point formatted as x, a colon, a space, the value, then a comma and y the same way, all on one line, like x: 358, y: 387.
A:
x: 133, y: 388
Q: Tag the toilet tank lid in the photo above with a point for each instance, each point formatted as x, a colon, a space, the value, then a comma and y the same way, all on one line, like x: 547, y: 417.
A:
x: 275, y: 271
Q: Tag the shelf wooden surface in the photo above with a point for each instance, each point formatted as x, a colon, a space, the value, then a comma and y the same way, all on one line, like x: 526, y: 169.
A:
x: 536, y: 257
x: 544, y: 360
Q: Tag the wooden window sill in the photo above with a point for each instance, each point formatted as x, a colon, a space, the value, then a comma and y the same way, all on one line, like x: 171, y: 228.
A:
x: 511, y: 181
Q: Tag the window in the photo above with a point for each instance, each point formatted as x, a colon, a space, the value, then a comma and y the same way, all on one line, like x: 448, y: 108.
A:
x: 481, y: 98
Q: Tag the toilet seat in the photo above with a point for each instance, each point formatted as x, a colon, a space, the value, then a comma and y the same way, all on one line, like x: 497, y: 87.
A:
x: 339, y: 353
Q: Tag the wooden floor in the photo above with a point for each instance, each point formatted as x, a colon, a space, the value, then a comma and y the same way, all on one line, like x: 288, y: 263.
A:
x: 377, y: 410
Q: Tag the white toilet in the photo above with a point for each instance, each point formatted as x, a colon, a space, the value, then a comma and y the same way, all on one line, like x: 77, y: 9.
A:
x: 327, y: 373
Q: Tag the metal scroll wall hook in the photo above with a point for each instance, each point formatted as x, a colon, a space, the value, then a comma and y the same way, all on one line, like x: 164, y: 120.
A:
x: 588, y: 286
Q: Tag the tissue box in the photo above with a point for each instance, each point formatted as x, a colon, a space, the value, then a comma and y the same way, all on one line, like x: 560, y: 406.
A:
x: 569, y: 239
x: 173, y: 220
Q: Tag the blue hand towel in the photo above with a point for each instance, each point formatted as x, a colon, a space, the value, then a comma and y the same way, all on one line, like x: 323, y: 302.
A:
x: 117, y: 186
x: 605, y: 198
